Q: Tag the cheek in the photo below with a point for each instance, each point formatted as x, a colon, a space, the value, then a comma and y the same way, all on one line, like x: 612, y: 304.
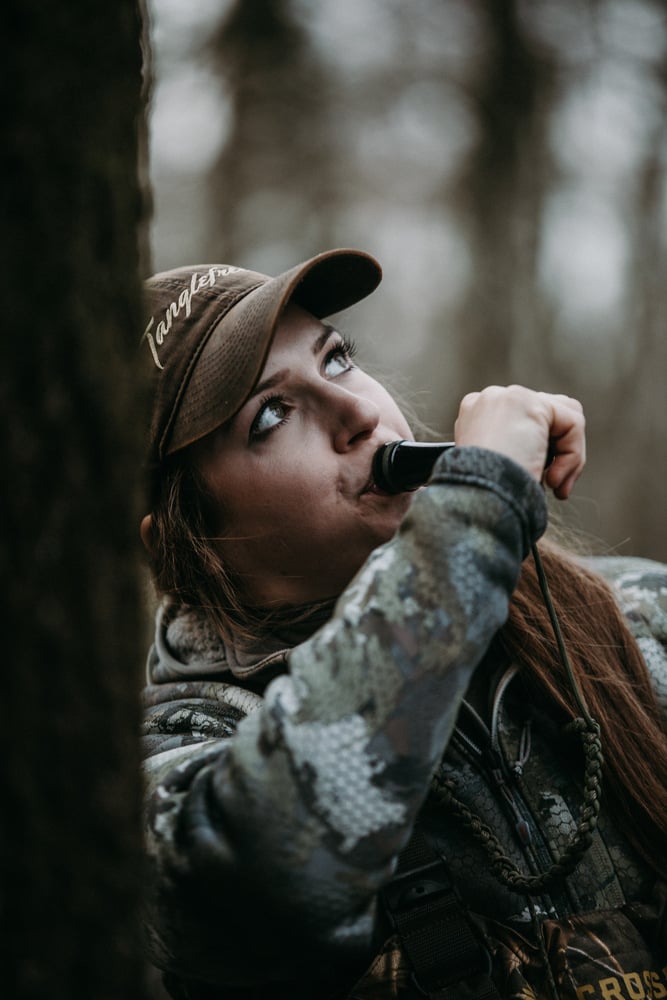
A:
x: 389, y: 408
x: 282, y: 496
x: 232, y: 503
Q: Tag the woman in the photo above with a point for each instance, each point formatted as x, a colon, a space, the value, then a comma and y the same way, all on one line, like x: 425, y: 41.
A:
x: 369, y: 771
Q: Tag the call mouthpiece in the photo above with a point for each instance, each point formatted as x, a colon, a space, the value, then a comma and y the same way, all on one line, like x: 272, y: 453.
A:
x: 403, y: 466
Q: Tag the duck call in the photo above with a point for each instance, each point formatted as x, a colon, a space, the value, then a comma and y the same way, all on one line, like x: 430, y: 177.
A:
x: 403, y: 466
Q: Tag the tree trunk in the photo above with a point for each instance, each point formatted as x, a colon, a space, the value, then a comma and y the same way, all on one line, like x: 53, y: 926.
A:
x: 70, y: 845
x: 500, y: 200
x: 279, y: 94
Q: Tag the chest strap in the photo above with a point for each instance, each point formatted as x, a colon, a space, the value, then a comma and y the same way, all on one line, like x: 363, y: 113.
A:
x: 442, y: 944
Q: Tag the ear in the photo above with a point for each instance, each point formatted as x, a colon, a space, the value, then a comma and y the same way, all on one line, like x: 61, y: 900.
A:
x: 146, y: 531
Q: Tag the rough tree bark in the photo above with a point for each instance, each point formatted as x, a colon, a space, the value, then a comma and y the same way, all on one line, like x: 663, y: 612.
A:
x: 69, y: 835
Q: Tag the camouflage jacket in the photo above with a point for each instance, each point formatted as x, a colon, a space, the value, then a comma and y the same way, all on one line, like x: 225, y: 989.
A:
x: 284, y: 781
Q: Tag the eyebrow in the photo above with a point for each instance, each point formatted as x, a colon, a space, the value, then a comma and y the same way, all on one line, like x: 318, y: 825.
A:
x: 323, y: 337
x: 277, y: 377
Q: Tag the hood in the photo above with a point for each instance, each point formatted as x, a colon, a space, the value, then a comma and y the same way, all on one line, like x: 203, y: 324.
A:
x: 187, y: 647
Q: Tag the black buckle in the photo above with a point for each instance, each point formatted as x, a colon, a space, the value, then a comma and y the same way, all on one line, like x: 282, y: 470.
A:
x: 426, y: 911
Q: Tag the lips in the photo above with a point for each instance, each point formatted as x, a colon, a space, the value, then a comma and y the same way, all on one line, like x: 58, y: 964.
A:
x: 381, y: 493
x: 370, y: 486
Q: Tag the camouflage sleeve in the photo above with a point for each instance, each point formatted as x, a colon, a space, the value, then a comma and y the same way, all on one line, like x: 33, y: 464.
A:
x: 268, y: 848
x: 640, y: 586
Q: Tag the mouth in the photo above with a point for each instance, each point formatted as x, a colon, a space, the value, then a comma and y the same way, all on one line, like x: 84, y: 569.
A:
x: 371, y: 487
x: 374, y: 489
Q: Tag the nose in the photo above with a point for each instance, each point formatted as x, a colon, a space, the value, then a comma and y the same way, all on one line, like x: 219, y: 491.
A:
x: 353, y: 418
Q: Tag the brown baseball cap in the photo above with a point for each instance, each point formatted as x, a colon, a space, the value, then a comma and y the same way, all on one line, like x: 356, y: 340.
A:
x: 210, y: 327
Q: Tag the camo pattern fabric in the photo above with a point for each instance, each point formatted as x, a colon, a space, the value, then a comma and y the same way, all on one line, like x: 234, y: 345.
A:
x: 272, y: 822
x: 618, y: 954
x: 641, y: 588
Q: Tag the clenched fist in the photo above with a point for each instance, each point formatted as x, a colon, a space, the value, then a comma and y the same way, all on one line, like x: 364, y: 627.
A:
x: 526, y: 426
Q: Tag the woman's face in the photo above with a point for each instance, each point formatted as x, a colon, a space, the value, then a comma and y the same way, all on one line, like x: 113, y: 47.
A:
x: 291, y: 472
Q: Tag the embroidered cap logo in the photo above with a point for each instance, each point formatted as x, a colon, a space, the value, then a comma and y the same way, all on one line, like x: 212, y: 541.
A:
x: 183, y: 302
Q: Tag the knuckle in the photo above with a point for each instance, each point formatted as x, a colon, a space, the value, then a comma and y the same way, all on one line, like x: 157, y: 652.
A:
x: 468, y: 400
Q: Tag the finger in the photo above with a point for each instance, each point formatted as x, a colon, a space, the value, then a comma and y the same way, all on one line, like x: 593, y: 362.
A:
x: 565, y: 469
x: 468, y: 401
x: 568, y: 461
x: 567, y: 445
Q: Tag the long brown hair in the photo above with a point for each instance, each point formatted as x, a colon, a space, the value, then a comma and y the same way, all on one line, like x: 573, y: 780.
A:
x: 612, y: 676
x: 605, y: 658
x: 184, y: 560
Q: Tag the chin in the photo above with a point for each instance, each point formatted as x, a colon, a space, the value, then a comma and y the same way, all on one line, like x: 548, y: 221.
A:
x: 384, y: 533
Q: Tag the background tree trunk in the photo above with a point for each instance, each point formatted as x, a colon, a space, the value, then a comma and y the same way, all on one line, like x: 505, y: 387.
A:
x: 70, y: 845
x: 500, y: 197
x: 280, y: 95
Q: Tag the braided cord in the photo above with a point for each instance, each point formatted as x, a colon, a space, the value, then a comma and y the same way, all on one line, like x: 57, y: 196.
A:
x: 589, y: 731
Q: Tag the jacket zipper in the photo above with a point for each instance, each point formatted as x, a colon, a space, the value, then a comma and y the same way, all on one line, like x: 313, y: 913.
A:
x: 490, y: 761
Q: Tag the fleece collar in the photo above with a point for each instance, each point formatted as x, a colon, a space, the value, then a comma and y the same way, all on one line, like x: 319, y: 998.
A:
x: 187, y: 647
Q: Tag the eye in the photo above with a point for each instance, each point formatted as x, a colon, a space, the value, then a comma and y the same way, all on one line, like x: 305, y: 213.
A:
x: 339, y: 358
x: 271, y: 414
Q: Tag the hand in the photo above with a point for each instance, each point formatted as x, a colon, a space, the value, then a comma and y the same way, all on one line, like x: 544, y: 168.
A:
x: 525, y: 425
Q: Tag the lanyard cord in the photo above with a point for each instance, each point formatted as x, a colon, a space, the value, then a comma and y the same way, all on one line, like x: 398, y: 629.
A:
x: 589, y: 732
x: 555, y: 624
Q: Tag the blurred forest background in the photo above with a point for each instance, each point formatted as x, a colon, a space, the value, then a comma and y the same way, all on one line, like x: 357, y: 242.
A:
x: 504, y: 160
x: 506, y: 163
